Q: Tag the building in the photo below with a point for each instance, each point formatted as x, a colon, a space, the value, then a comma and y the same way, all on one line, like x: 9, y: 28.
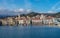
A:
x: 36, y: 20
x: 48, y: 20
x: 10, y: 21
x: 4, y: 22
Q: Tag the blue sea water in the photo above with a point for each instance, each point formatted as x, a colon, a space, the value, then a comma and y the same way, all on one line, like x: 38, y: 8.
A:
x: 29, y: 32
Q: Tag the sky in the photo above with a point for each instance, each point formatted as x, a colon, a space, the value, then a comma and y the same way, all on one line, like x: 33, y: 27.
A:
x: 31, y: 5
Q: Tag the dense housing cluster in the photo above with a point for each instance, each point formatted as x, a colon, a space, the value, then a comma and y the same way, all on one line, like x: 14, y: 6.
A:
x: 37, y: 20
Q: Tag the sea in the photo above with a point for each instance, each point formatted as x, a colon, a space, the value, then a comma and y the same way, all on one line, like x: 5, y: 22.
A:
x: 29, y: 31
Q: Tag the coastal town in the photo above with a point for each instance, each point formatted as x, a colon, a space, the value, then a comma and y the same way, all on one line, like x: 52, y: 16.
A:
x: 35, y: 20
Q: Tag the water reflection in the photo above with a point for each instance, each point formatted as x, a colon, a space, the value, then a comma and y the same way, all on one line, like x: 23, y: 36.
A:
x: 29, y: 32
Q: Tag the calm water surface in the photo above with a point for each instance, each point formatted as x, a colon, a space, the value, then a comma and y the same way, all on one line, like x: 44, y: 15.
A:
x: 29, y: 32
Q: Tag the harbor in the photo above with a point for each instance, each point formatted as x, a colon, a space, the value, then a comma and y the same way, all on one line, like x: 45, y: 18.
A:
x: 36, y: 20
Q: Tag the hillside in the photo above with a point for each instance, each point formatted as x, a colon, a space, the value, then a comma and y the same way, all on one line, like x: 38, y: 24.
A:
x: 31, y: 14
x: 57, y: 15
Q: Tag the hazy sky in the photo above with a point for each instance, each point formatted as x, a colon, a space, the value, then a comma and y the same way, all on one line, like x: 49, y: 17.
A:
x: 34, y: 5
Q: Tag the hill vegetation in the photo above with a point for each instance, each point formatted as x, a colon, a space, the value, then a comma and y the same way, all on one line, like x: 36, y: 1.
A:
x: 31, y: 14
